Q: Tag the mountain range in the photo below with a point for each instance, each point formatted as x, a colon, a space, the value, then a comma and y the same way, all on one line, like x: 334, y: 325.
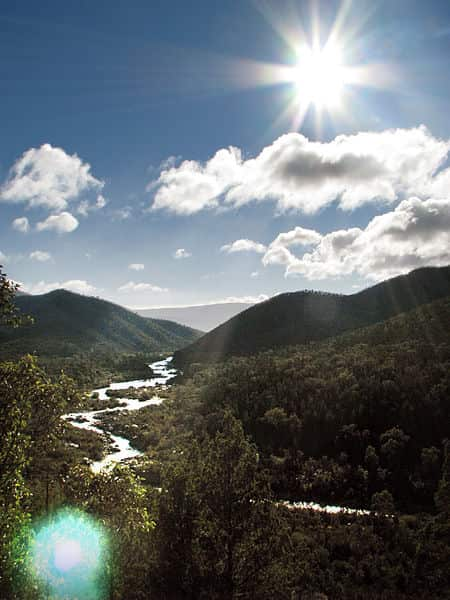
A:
x: 301, y: 317
x: 203, y: 317
x: 66, y: 323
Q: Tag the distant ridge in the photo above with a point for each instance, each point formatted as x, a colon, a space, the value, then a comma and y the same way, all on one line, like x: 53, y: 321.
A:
x: 203, y: 317
x: 300, y: 317
x: 66, y: 323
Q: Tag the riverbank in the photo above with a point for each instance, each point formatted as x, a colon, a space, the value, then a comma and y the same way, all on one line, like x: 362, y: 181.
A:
x: 120, y: 448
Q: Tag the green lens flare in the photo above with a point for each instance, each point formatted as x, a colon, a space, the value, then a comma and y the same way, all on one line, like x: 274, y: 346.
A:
x: 69, y: 556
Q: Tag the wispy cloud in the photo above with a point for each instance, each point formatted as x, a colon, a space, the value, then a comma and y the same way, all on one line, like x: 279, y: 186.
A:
x: 131, y: 286
x: 85, y: 207
x: 21, y: 224
x: 181, y: 253
x: 40, y: 256
x: 245, y: 299
x: 122, y: 214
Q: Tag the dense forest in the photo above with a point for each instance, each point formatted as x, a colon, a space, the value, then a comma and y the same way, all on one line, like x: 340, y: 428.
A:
x: 360, y: 420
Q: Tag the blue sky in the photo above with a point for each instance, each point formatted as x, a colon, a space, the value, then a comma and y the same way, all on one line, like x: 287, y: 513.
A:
x: 131, y: 130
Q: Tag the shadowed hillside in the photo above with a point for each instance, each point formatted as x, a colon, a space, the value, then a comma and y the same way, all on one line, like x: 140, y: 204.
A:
x: 300, y: 317
x: 66, y: 324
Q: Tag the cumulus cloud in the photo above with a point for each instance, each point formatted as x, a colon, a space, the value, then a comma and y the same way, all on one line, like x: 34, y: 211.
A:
x: 3, y: 257
x: 48, y: 177
x: 303, y: 175
x: 243, y: 245
x: 297, y: 237
x: 62, y: 223
x: 21, y: 224
x: 79, y: 286
x: 136, y: 266
x: 181, y: 253
x: 131, y: 286
x: 416, y: 233
x: 193, y: 186
x: 40, y: 256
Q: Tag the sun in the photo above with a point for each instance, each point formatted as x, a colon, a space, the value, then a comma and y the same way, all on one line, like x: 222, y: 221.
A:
x: 320, y: 76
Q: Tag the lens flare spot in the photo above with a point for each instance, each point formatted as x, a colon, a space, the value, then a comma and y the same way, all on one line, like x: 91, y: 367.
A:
x: 69, y: 556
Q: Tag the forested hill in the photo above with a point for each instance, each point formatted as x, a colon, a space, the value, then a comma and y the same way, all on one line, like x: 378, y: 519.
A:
x: 66, y: 324
x: 300, y: 317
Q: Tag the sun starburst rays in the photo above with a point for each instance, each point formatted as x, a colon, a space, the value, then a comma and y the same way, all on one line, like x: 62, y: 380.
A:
x: 325, y: 74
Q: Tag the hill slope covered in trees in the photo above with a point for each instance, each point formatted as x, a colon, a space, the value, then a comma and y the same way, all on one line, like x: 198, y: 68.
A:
x: 318, y: 412
x: 66, y: 324
x: 300, y: 317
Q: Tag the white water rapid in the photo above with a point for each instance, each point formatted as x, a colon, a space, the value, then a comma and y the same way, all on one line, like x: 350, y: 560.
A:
x: 121, y: 448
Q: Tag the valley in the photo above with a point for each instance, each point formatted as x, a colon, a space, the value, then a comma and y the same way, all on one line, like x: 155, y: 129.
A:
x: 225, y: 300
x: 328, y: 458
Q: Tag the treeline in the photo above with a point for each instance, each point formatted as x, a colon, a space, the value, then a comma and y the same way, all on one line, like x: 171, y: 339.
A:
x: 98, y: 369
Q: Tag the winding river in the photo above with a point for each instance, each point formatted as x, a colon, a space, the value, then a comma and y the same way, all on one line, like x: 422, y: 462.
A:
x: 121, y: 448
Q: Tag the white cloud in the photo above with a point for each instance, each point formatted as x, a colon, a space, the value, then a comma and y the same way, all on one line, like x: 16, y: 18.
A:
x: 122, y: 214
x: 85, y: 207
x: 79, y: 286
x: 254, y: 274
x: 416, y: 233
x: 193, y: 186
x: 131, y: 286
x: 3, y: 257
x: 136, y: 267
x: 299, y: 174
x: 244, y: 299
x: 62, y: 223
x: 101, y: 202
x: 169, y: 162
x: 40, y: 256
x: 181, y: 253
x: 49, y: 177
x: 244, y: 246
x: 297, y: 237
x: 21, y: 224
